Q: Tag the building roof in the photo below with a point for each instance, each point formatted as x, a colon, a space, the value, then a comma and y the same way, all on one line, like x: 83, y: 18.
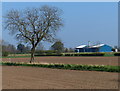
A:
x: 81, y: 46
x: 97, y: 45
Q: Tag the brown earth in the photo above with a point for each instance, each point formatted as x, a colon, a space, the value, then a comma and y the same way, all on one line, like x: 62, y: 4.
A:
x: 18, y: 77
x: 70, y: 60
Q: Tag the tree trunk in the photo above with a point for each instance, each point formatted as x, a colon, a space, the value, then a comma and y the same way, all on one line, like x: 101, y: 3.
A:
x: 32, y: 54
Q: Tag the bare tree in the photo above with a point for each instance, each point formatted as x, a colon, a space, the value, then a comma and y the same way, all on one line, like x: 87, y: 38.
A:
x: 34, y: 25
x: 40, y: 47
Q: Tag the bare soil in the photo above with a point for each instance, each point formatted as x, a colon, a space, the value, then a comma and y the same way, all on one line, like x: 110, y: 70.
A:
x: 70, y: 60
x: 18, y: 77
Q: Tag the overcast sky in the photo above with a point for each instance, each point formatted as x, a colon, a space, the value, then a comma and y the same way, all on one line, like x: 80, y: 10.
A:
x: 83, y: 22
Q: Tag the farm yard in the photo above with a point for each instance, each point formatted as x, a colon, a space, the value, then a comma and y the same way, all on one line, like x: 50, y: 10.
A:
x: 22, y: 77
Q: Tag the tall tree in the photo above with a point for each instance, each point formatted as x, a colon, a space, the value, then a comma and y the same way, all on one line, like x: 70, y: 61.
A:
x: 58, y: 46
x: 71, y: 50
x: 66, y: 50
x: 34, y: 25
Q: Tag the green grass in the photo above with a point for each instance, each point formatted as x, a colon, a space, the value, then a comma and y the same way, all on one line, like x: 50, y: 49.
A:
x: 103, y: 68
x: 17, y: 57
x: 109, y: 54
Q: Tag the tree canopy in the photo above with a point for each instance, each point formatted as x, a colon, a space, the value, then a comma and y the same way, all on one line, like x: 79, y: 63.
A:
x: 34, y: 25
x: 58, y: 46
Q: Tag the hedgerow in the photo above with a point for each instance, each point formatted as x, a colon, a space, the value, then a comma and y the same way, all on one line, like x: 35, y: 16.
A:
x: 117, y: 54
x: 105, y: 68
x: 85, y: 54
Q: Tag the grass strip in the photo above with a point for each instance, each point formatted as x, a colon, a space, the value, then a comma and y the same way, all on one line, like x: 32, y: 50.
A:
x: 103, y: 68
x: 16, y: 57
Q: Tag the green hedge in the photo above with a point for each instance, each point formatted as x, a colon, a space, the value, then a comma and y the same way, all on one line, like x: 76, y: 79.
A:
x: 117, y: 54
x: 92, y: 54
x: 47, y: 53
x: 77, y: 54
x: 85, y: 54
x: 71, y: 54
x: 68, y: 54
x: 54, y: 54
x: 105, y: 68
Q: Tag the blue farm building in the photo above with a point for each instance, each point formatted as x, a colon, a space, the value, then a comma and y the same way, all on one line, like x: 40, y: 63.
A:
x: 95, y: 48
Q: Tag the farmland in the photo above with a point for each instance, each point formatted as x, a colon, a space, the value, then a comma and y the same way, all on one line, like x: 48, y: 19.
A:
x: 70, y: 60
x: 22, y: 77
x: 58, y: 47
x: 18, y: 77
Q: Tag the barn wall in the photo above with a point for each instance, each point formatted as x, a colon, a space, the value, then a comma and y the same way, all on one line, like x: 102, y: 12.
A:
x: 105, y: 48
x: 94, y: 49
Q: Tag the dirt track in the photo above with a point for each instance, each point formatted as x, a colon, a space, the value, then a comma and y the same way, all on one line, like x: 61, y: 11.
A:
x: 16, y: 77
x: 71, y: 60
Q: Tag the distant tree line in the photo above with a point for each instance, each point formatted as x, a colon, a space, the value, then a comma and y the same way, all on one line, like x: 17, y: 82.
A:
x: 57, y: 47
x: 21, y: 48
x: 11, y: 49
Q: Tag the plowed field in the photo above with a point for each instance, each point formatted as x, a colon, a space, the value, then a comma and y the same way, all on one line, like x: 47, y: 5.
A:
x: 18, y: 77
x: 70, y: 60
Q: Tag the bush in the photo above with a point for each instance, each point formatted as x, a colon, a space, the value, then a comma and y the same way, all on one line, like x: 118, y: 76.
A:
x: 77, y: 54
x: 68, y: 55
x: 54, y: 54
x: 85, y: 54
x: 40, y: 54
x: 92, y: 54
x: 72, y: 54
x: 5, y: 54
x: 117, y: 54
x: 49, y: 54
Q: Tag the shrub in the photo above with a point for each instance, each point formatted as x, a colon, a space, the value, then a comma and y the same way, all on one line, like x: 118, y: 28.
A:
x: 72, y: 54
x: 50, y: 54
x: 77, y: 54
x: 54, y: 54
x: 92, y: 54
x: 47, y: 53
x: 67, y: 54
x: 117, y: 54
x: 85, y: 54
